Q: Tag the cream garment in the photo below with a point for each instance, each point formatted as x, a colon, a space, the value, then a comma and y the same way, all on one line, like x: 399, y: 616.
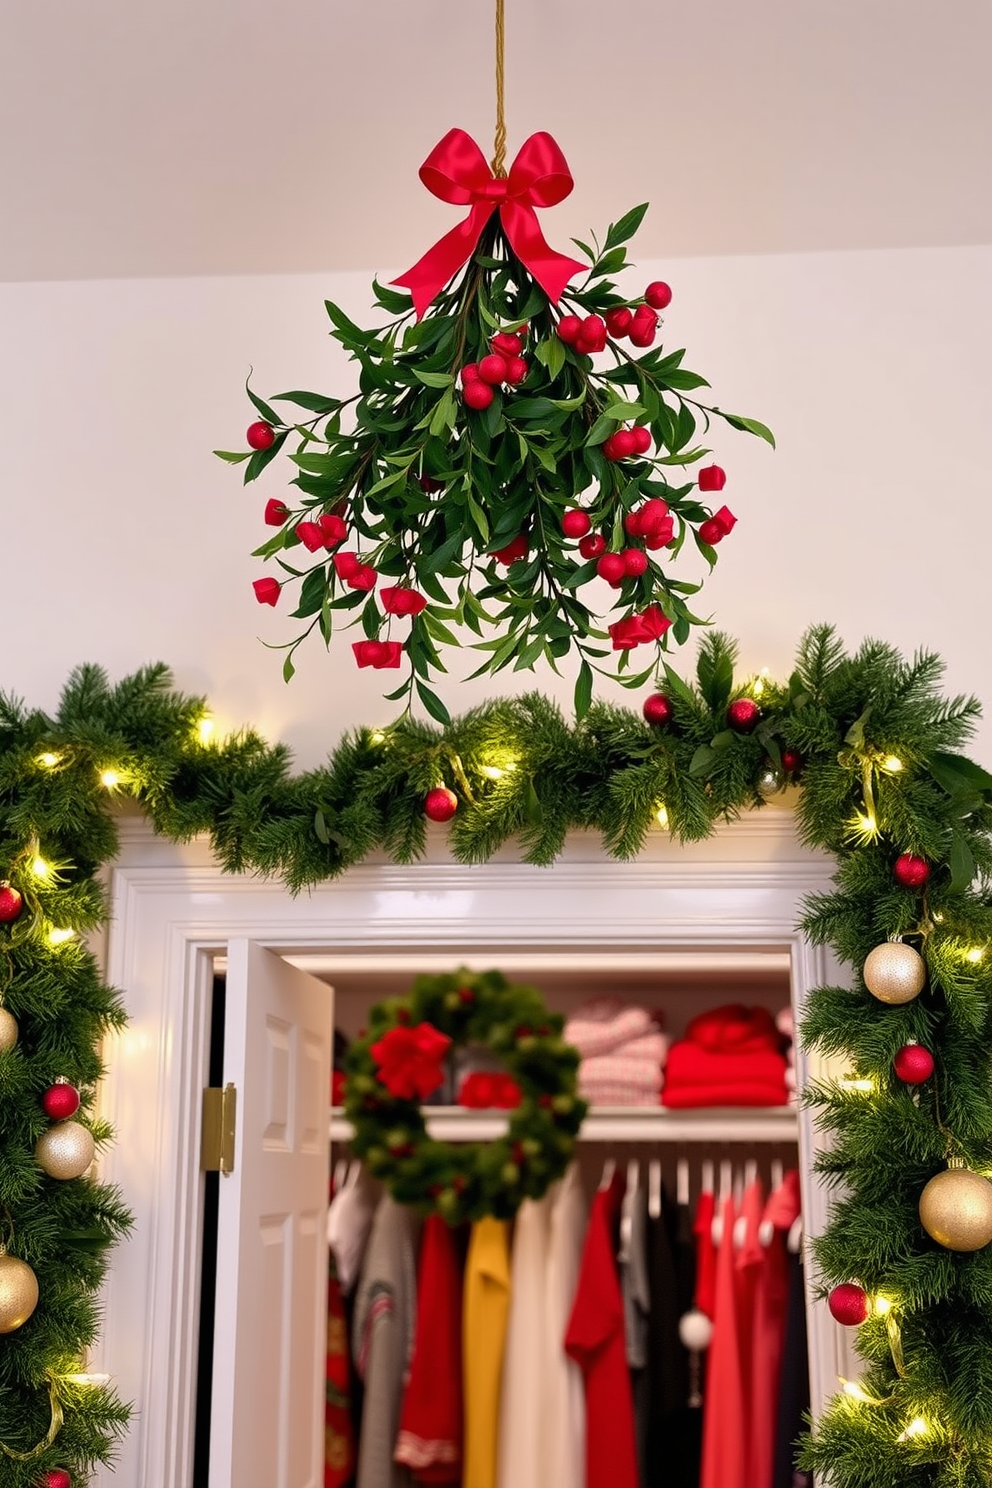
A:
x: 523, y: 1399
x: 564, y: 1434
x: 349, y: 1220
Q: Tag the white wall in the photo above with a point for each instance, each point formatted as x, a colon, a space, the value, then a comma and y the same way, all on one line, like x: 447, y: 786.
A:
x: 124, y: 541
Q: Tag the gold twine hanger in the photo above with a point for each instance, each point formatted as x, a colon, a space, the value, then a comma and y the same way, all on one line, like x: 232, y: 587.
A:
x: 499, y: 144
x: 53, y: 1430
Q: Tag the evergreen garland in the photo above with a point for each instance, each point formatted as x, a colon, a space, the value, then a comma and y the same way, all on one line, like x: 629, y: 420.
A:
x: 875, y: 750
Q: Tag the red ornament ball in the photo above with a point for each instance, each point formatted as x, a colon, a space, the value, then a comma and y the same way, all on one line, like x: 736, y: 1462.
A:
x: 913, y: 1063
x: 910, y: 871
x: 593, y: 546
x: 492, y: 369
x: 658, y: 295
x: 712, y: 478
x: 55, y: 1477
x: 792, y: 761
x: 849, y: 1304
x: 742, y: 715
x: 575, y: 522
x: 260, y: 435
x: 440, y: 804
x: 11, y: 904
x: 658, y: 710
x: 477, y: 394
x: 60, y: 1101
x: 611, y: 567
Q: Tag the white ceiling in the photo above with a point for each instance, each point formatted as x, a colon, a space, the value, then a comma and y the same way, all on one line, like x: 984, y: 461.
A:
x: 234, y: 136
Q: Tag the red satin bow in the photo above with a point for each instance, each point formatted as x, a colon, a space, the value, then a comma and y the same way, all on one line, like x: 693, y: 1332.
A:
x: 457, y: 172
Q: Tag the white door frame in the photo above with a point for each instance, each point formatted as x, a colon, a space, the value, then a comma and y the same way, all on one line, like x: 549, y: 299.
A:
x: 173, y: 911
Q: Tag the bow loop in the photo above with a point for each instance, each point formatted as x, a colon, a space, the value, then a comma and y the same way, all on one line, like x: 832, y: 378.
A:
x: 456, y: 171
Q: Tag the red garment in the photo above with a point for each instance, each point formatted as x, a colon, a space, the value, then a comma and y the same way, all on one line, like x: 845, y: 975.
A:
x: 705, y: 1298
x: 769, y: 1329
x: 749, y: 1264
x: 339, y: 1441
x: 725, y: 1462
x: 730, y: 1056
x: 595, y: 1340
x: 430, y: 1434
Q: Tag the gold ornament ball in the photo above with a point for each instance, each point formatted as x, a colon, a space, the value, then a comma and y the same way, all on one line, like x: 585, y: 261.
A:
x: 18, y: 1293
x: 956, y: 1209
x: 65, y: 1150
x: 894, y: 972
x: 8, y: 1030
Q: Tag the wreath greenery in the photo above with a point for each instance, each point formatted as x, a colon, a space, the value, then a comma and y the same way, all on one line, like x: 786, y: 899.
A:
x: 466, y: 1180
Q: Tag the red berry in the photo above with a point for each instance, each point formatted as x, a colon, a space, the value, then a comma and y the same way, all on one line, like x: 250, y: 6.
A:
x: 470, y: 373
x: 913, y: 1064
x: 260, y: 435
x: 711, y: 532
x: 592, y: 336
x: 267, y: 591
x: 849, y: 1304
x: 575, y: 522
x: 611, y: 567
x: 492, y: 369
x: 618, y: 321
x: 619, y: 446
x: 276, y: 512
x: 742, y: 715
x: 632, y: 524
x: 507, y: 344
x: 333, y: 527
x: 653, y: 515
x: 910, y: 871
x: 11, y: 904
x: 792, y: 761
x: 477, y: 395
x: 568, y: 329
x: 516, y: 370
x: 513, y: 551
x: 61, y: 1101
x: 440, y: 804
x: 658, y: 295
x: 712, y: 478
x: 643, y: 333
x: 658, y: 710
x: 635, y: 562
x: 642, y: 439
x: 593, y: 546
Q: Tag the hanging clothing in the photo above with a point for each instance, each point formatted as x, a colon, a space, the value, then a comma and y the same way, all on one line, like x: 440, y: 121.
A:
x: 486, y: 1312
x: 749, y: 1260
x: 349, y: 1222
x: 431, y: 1418
x: 595, y: 1339
x: 771, y: 1299
x: 637, y: 1303
x: 674, y: 1426
x: 724, y: 1420
x: 705, y: 1254
x: 525, y: 1378
x: 382, y: 1342
x: 339, y: 1440
x: 563, y: 1435
x: 793, y: 1400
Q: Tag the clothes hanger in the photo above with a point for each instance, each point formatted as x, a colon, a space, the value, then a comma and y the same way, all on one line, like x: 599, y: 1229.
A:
x: 682, y: 1181
x: 777, y: 1174
x: 794, y: 1243
x: 726, y: 1192
x: 609, y: 1168
x: 627, y: 1208
x: 706, y: 1181
x: 654, y: 1186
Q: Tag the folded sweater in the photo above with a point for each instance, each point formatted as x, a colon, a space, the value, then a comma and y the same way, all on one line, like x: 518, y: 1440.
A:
x: 602, y: 1025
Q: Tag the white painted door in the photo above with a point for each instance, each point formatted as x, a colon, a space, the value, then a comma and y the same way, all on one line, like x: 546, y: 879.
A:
x: 267, y: 1410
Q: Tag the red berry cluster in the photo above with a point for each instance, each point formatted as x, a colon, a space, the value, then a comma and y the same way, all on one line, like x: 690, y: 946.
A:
x: 717, y: 527
x: 586, y: 336
x: 503, y: 365
x: 627, y: 442
x: 329, y: 531
x: 651, y: 522
x: 353, y: 572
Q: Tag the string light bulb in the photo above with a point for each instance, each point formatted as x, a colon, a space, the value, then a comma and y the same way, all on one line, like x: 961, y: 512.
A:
x: 917, y: 1427
x: 975, y: 954
x: 852, y: 1389
x: 881, y: 1306
x: 109, y: 778
x: 205, y: 729
x: 892, y: 764
x: 48, y: 760
x: 96, y: 1381
x: 57, y: 936
x: 661, y: 814
x: 377, y: 737
x: 866, y: 1086
x: 758, y: 684
x: 40, y: 868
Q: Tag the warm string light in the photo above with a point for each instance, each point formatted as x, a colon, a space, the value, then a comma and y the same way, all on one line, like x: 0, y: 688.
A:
x: 496, y: 772
x: 58, y: 936
x: 759, y: 683
x: 40, y: 868
x: 891, y: 764
x: 865, y: 1086
x: 919, y: 1426
x: 661, y: 814
x: 110, y: 778
x: 975, y: 954
x: 205, y: 727
x: 48, y: 760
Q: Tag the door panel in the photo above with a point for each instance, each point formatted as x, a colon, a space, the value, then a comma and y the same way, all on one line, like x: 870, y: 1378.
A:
x: 267, y: 1419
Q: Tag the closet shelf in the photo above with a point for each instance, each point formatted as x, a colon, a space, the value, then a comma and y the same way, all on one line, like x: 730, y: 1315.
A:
x: 617, y: 1124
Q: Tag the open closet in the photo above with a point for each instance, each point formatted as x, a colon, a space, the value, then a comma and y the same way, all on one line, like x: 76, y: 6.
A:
x: 682, y: 928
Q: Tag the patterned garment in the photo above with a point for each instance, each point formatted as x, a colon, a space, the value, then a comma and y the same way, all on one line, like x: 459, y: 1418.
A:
x: 339, y: 1441
x: 600, y: 1026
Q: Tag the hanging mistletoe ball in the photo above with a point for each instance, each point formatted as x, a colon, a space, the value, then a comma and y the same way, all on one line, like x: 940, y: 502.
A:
x: 848, y: 1304
x: 60, y: 1101
x: 511, y: 402
x: 911, y: 871
x: 913, y: 1064
x: 407, y: 1054
x: 11, y: 904
x: 894, y: 972
x: 440, y: 804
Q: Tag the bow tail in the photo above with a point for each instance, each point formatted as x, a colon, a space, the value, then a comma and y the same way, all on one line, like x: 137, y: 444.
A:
x: 441, y: 263
x: 551, y: 270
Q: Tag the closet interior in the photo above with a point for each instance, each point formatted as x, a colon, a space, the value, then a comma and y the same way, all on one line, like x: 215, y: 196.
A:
x: 710, y: 1395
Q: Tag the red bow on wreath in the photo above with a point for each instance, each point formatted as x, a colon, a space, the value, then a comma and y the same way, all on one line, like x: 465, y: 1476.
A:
x: 410, y: 1060
x: 457, y: 172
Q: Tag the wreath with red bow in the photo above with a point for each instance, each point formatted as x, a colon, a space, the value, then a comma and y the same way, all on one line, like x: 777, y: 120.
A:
x: 408, y: 1053
x: 517, y: 443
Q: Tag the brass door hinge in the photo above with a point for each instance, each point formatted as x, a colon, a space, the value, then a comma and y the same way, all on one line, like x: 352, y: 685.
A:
x: 220, y: 1109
